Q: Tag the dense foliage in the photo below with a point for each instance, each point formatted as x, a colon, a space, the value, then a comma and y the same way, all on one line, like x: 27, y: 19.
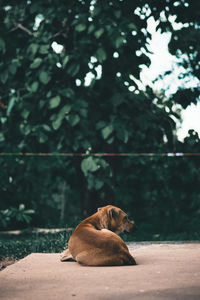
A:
x: 49, y: 103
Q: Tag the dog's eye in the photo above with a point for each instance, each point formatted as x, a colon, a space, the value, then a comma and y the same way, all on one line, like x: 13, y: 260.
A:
x: 125, y: 218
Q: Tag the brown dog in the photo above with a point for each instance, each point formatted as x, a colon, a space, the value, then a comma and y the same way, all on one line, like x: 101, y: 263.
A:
x: 95, y: 242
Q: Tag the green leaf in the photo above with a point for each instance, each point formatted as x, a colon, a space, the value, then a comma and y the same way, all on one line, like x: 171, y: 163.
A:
x: 44, y: 77
x: 19, y: 217
x: 34, y: 87
x: 90, y: 180
x: 29, y: 211
x: 12, y: 69
x: 2, y: 45
x: 73, y: 120
x: 69, y: 93
x: 21, y: 207
x: 36, y: 63
x: 44, y: 49
x: 80, y: 27
x: 73, y: 69
x: 46, y: 127
x: 33, y: 48
x: 54, y: 117
x: 122, y: 134
x: 117, y: 14
x: 42, y: 138
x: 41, y: 104
x: 91, y: 28
x: 3, y: 120
x: 54, y: 102
x: 25, y: 113
x: 111, y: 140
x: 98, y: 184
x: 2, y: 138
x: 126, y: 136
x: 57, y: 119
x: 99, y: 33
x: 27, y: 218
x: 132, y: 26
x: 10, y: 106
x: 57, y: 123
x: 6, y: 212
x: 101, y: 55
x: 119, y: 42
x: 88, y: 165
x: 83, y: 112
x: 4, y: 76
x: 49, y: 94
x: 107, y: 131
x: 65, y: 110
x: 65, y: 60
x: 26, y: 130
x: 100, y: 125
x: 103, y: 163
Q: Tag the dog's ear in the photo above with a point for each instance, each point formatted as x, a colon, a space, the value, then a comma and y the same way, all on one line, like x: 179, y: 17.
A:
x: 100, y: 208
x: 112, y: 213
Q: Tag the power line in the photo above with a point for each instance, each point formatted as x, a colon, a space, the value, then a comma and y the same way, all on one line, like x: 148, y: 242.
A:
x: 86, y: 154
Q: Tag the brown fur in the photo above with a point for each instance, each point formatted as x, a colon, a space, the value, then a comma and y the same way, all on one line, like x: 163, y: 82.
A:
x: 95, y: 242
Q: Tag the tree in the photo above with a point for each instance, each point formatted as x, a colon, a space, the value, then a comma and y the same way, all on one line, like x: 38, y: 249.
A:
x: 48, y: 105
x: 184, y: 43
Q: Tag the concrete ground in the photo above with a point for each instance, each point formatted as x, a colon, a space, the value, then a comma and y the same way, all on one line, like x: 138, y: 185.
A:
x: 164, y: 271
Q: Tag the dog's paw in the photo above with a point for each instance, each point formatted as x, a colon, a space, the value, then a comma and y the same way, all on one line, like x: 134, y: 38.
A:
x: 66, y: 256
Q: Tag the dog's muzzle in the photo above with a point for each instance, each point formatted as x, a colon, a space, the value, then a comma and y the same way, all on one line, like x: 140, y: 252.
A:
x: 131, y: 228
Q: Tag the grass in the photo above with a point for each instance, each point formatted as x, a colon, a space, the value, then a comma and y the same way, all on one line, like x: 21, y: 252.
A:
x: 18, y: 246
x: 6, y: 262
x: 14, y: 247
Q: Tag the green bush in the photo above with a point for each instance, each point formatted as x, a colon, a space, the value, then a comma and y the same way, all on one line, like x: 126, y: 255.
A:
x: 19, y: 214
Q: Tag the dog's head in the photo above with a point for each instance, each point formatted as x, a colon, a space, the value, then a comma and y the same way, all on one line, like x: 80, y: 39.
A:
x: 117, y: 219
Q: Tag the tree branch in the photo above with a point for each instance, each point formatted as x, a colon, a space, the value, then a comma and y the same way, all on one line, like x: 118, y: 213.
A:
x: 20, y: 26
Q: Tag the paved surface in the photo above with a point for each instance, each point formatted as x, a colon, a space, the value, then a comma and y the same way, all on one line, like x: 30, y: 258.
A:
x: 164, y: 271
